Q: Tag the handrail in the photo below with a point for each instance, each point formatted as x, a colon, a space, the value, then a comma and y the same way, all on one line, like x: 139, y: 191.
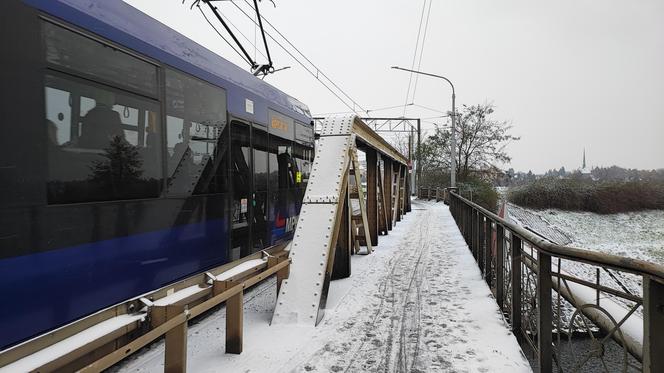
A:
x: 524, y: 287
x: 588, y: 256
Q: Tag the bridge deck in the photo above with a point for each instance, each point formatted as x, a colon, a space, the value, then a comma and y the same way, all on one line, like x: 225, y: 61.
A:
x: 418, y: 305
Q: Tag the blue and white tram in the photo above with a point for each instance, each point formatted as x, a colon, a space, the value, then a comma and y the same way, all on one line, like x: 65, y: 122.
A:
x: 130, y: 157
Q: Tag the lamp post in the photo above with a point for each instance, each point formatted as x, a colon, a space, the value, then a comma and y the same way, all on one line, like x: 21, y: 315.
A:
x: 453, y: 150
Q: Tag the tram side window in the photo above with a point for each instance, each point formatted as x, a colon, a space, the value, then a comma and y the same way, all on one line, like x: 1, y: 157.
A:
x: 259, y: 143
x: 241, y: 178
x: 303, y: 158
x: 67, y: 50
x: 261, y: 232
x: 280, y: 161
x: 197, y: 136
x: 282, y: 193
x: 103, y: 144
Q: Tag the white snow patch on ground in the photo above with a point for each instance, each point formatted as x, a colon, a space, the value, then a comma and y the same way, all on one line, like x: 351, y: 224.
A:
x: 78, y: 340
x: 638, y: 235
x: 418, y: 304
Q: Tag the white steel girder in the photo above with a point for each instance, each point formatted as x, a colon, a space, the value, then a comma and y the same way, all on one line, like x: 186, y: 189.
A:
x: 303, y: 294
x: 300, y: 296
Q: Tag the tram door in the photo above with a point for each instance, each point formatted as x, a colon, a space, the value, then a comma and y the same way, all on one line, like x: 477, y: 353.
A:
x: 260, y: 227
x: 241, y: 176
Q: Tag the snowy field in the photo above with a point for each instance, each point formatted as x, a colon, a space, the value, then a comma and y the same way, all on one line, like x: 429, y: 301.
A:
x: 638, y: 235
x: 418, y: 304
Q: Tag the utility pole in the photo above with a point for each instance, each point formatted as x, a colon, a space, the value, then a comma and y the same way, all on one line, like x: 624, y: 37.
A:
x: 419, y: 156
x: 453, y: 150
x: 411, y: 141
x: 453, y: 142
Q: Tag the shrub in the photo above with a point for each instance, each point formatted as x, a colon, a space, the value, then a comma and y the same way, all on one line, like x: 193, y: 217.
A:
x: 480, y: 192
x: 587, y: 195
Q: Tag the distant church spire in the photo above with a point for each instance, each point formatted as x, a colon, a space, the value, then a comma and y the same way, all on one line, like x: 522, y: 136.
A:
x: 584, y: 159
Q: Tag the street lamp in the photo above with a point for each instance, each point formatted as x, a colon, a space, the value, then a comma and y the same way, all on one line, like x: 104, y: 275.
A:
x: 453, y: 152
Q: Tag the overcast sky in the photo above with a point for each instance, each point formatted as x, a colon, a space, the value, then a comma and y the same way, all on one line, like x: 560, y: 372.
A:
x: 567, y: 74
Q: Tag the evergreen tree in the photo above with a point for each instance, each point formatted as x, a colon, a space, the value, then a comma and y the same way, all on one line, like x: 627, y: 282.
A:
x: 120, y: 169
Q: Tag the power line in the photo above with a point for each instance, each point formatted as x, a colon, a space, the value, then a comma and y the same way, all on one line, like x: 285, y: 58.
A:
x: 436, y: 117
x: 317, y: 74
x: 305, y: 57
x: 444, y: 113
x: 417, y: 45
x: 368, y: 110
x: 221, y: 36
x: 247, y: 39
x: 389, y: 107
x: 333, y: 113
x: 428, y: 108
x: 424, y: 38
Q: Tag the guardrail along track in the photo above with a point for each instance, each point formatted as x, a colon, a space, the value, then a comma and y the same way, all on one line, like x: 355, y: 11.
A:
x: 99, y: 341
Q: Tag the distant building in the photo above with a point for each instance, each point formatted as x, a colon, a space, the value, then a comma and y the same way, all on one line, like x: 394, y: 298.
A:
x: 585, y: 171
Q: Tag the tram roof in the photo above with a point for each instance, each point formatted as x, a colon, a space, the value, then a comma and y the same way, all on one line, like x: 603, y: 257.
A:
x: 127, y: 26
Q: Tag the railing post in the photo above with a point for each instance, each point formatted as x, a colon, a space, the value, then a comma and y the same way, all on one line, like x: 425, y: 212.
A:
x: 480, y: 241
x: 544, y: 313
x: 464, y: 219
x: 460, y: 211
x: 453, y: 211
x: 175, y: 351
x: 283, y: 273
x: 515, y: 315
x: 487, y: 251
x: 653, y: 325
x: 235, y: 323
x: 500, y: 283
x: 464, y: 215
x: 468, y: 225
x: 473, y: 231
x: 476, y: 243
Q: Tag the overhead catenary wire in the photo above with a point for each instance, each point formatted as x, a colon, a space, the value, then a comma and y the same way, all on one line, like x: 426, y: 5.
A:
x: 253, y: 44
x: 430, y: 109
x: 417, y: 44
x: 436, y: 117
x: 317, y: 74
x: 444, y: 114
x: 304, y: 56
x: 368, y: 110
x: 389, y: 107
x: 221, y: 36
x: 424, y: 38
x: 333, y: 113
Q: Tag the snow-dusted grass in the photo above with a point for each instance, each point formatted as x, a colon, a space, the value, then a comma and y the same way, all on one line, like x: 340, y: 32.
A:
x: 638, y: 235
x: 418, y: 304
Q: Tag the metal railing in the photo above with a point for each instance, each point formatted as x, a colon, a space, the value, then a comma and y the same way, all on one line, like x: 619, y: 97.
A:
x: 437, y: 194
x: 556, y: 304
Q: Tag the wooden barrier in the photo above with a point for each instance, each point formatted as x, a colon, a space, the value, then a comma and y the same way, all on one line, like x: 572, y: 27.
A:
x: 168, y: 317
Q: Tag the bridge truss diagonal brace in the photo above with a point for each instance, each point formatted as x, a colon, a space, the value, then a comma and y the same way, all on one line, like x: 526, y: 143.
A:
x: 313, y: 246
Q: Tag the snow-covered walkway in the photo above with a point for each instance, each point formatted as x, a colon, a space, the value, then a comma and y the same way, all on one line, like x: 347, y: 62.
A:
x: 418, y: 304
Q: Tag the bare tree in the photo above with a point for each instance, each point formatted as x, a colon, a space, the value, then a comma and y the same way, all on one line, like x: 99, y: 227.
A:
x: 481, y: 143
